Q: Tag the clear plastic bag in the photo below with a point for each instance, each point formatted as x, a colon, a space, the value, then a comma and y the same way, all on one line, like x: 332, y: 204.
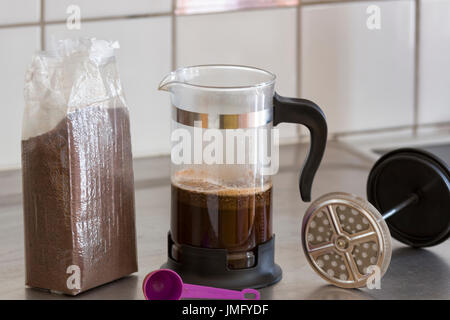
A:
x: 78, y: 186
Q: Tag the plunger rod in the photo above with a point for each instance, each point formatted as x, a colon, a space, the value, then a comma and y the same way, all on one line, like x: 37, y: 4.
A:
x: 413, y: 198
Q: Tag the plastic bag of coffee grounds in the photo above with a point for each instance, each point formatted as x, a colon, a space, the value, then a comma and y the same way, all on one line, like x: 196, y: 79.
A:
x: 78, y: 187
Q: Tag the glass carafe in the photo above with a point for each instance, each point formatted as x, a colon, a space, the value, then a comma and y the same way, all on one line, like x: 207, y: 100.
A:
x: 224, y: 152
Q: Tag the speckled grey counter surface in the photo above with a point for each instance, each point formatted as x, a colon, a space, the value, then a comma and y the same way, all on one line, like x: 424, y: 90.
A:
x: 413, y: 274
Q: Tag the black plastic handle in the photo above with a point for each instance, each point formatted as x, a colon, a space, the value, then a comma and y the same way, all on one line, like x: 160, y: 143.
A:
x: 293, y: 110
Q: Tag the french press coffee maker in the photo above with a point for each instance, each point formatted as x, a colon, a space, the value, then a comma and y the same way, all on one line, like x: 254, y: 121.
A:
x: 224, y: 151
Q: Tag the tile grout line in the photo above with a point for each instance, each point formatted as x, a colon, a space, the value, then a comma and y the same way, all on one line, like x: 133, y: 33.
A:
x: 416, y: 66
x: 298, y: 48
x: 322, y: 2
x: 299, y: 57
x: 118, y: 17
x: 42, y: 25
x: 20, y: 25
x: 275, y: 7
x: 93, y: 19
x: 174, y: 37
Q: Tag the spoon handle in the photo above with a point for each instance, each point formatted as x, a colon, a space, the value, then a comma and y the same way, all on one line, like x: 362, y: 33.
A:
x: 203, y: 292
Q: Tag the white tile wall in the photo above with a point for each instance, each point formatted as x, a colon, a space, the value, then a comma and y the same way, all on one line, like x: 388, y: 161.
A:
x: 143, y: 60
x: 264, y: 39
x: 363, y: 79
x: 434, y: 65
x: 17, y: 11
x: 18, y: 45
x: 56, y: 9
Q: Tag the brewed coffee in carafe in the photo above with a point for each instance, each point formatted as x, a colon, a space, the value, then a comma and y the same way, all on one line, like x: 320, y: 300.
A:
x: 210, y: 214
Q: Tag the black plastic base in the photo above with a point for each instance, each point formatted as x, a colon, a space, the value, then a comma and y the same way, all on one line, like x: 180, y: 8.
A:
x: 402, y: 172
x: 208, y: 267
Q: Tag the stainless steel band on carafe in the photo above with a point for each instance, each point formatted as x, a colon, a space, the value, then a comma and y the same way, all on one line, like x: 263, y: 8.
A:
x: 222, y: 121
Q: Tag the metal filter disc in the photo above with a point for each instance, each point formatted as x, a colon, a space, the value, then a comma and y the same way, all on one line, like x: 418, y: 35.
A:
x: 343, y: 237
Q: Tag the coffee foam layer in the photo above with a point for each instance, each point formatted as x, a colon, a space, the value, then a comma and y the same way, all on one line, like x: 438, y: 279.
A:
x: 199, y: 181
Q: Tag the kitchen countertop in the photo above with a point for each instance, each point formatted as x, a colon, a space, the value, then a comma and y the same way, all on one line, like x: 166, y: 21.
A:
x: 413, y: 273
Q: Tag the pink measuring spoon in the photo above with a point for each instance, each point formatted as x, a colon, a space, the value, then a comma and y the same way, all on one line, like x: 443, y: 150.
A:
x: 165, y: 284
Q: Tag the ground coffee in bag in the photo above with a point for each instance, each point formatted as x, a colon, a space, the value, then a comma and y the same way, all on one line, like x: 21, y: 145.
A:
x: 78, y: 184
